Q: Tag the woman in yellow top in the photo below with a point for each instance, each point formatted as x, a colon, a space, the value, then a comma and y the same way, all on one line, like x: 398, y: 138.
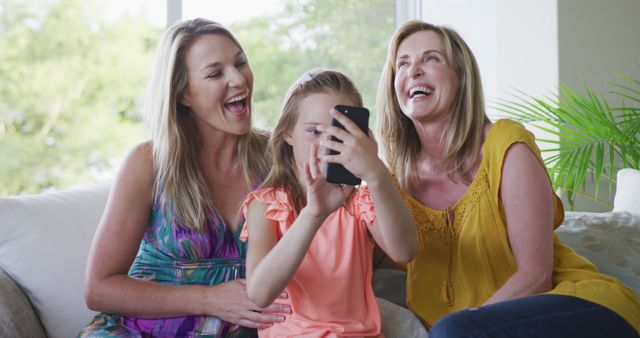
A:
x: 488, y: 262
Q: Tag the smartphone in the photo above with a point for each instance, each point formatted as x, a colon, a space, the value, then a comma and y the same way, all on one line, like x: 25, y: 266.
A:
x: 337, y: 173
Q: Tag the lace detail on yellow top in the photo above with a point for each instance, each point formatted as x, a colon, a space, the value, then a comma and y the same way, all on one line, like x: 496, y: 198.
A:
x: 433, y: 223
x: 444, y: 225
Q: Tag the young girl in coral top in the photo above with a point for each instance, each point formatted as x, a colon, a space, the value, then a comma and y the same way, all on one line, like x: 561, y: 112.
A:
x: 313, y: 239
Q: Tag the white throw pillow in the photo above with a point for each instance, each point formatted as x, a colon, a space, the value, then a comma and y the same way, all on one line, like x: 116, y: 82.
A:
x: 44, y: 242
x: 627, y: 191
x: 610, y: 240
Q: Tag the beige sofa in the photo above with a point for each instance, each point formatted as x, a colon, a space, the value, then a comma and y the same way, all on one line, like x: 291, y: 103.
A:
x: 44, y: 241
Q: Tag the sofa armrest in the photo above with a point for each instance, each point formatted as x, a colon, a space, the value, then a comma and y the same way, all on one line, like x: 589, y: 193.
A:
x: 610, y: 240
x: 17, y: 316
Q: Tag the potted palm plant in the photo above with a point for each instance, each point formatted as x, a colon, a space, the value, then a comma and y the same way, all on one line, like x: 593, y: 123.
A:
x: 594, y: 139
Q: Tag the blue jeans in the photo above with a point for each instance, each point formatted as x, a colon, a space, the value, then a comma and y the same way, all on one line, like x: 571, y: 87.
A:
x: 539, y: 316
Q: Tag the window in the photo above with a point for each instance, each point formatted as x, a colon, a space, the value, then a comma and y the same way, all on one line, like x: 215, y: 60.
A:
x: 72, y: 72
x: 71, y: 77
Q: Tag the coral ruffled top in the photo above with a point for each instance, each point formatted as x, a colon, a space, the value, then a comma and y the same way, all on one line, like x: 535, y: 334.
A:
x: 331, y: 293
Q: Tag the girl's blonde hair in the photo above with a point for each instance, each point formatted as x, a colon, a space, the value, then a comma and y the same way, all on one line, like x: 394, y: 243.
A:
x: 463, y: 140
x: 283, y: 171
x: 179, y: 182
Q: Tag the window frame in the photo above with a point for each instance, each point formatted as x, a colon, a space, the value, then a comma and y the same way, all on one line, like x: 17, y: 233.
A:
x: 405, y: 10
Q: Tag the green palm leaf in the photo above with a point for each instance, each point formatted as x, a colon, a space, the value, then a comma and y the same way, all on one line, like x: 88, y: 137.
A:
x: 594, y: 138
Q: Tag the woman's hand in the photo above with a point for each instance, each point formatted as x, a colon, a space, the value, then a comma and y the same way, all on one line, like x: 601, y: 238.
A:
x: 358, y: 151
x: 233, y: 305
x: 323, y: 198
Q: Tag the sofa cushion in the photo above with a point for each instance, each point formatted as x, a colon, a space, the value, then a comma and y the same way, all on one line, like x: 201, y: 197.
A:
x: 17, y: 316
x: 44, y: 242
x: 399, y: 322
x: 390, y: 284
x: 610, y: 240
x: 627, y: 191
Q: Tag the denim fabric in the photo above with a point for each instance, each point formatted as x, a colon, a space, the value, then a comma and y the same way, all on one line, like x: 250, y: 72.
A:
x: 539, y: 316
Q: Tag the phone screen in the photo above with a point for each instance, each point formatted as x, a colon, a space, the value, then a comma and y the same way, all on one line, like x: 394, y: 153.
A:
x: 337, y: 173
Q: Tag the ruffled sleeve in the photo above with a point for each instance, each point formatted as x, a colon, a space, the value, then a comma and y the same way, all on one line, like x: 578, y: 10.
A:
x: 278, y: 207
x: 365, y: 211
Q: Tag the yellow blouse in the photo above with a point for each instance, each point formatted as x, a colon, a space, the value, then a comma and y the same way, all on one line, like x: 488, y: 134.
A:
x: 464, y: 254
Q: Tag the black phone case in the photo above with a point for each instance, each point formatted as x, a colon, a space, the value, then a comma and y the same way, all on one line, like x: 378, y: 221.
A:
x: 337, y: 173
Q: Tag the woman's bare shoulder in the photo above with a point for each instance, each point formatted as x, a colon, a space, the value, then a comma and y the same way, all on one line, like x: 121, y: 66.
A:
x: 140, y: 157
x: 137, y: 170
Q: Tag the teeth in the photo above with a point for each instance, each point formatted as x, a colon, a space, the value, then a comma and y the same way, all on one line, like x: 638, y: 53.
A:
x: 238, y: 98
x: 414, y: 90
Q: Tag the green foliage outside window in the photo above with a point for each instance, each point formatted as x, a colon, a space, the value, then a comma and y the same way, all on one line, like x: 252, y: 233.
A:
x: 348, y: 35
x: 69, y: 92
x: 71, y: 83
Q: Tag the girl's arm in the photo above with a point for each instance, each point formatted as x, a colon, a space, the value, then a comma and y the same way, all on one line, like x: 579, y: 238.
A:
x: 528, y: 207
x: 394, y: 228
x: 272, y: 263
x: 109, y: 289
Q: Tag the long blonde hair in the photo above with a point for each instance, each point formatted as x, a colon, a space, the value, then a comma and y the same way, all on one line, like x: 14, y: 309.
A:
x: 283, y: 171
x: 463, y: 140
x: 179, y: 182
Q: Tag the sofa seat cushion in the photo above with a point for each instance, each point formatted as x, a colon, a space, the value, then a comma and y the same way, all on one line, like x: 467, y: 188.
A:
x: 399, y: 322
x: 44, y: 242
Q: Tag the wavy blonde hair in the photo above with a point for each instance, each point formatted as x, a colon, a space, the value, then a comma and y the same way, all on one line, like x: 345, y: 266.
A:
x: 463, y: 140
x: 179, y: 182
x: 283, y: 171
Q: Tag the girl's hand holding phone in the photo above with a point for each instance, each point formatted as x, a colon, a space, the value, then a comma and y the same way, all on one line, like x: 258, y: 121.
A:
x: 358, y: 152
x: 323, y: 198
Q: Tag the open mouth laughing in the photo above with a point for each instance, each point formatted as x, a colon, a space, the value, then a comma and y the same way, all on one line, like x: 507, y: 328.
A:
x: 419, y: 91
x: 237, y: 104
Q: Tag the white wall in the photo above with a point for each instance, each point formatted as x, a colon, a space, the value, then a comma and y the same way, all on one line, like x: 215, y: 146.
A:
x: 598, y: 37
x: 527, y: 47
